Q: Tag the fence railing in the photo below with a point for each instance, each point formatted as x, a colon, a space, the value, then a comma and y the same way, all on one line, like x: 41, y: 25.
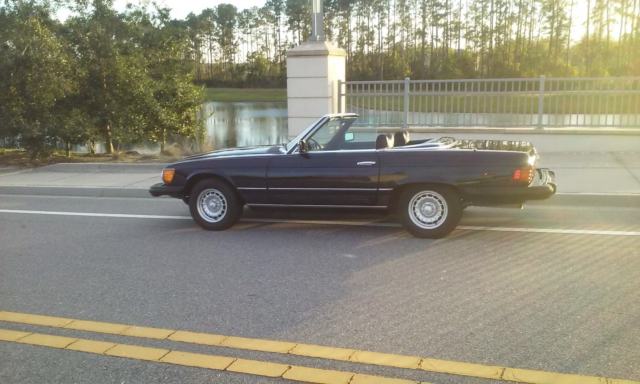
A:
x: 541, y: 102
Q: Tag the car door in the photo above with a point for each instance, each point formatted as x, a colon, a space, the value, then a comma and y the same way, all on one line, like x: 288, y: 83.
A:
x: 345, y: 178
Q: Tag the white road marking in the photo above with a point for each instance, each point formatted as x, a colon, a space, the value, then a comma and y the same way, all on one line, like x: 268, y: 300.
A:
x: 94, y: 214
x: 78, y: 186
x: 332, y: 222
x: 609, y: 194
x: 465, y: 227
x: 145, y: 199
x: 551, y: 230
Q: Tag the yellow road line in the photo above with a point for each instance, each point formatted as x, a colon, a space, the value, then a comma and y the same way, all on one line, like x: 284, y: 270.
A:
x: 316, y: 351
x: 199, y: 360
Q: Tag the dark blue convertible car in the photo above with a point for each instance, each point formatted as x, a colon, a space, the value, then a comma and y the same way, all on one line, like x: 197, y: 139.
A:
x: 339, y: 164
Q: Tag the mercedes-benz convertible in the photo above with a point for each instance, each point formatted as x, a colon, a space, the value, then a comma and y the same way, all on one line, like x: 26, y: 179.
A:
x: 337, y: 163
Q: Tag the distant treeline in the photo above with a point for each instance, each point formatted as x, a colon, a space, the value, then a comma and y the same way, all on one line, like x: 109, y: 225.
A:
x: 422, y: 39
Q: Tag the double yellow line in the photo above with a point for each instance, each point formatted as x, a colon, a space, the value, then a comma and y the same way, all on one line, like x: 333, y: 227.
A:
x: 265, y: 368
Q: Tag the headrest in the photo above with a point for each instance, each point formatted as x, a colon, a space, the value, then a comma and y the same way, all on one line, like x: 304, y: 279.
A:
x: 384, y: 141
x: 401, y: 138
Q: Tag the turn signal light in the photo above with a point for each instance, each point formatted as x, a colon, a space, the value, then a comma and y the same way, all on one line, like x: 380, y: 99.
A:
x: 523, y: 175
x: 167, y: 175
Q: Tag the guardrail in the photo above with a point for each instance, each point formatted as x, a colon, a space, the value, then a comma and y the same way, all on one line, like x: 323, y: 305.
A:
x: 609, y: 102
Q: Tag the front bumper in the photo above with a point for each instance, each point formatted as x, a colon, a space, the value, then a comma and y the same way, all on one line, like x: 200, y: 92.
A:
x: 161, y: 189
x: 542, y: 187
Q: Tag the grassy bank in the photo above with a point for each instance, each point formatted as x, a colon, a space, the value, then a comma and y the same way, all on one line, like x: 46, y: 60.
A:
x: 20, y: 158
x: 245, y: 94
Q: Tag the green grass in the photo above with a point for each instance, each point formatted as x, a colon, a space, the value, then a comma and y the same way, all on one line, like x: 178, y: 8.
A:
x: 245, y: 94
x: 20, y: 158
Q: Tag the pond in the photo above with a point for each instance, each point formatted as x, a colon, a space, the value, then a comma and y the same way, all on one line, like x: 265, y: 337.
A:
x: 245, y: 123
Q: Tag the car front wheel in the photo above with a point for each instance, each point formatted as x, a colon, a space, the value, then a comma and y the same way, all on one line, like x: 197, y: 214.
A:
x: 214, y: 205
x: 430, y: 212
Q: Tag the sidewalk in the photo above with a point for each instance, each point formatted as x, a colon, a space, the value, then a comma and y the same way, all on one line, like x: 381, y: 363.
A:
x: 83, y: 179
x: 583, y: 173
x: 594, y: 172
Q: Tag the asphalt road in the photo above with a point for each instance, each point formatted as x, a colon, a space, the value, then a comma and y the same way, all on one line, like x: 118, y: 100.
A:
x: 554, y: 301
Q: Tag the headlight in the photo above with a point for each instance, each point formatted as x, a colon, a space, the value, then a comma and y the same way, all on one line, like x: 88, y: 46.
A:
x: 167, y: 175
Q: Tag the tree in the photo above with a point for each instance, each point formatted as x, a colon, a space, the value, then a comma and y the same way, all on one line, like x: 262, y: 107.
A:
x: 298, y: 19
x: 170, y: 100
x: 115, y: 83
x: 225, y: 19
x: 35, y: 74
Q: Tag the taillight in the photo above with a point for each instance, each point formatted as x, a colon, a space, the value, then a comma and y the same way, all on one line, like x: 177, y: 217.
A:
x: 523, y: 175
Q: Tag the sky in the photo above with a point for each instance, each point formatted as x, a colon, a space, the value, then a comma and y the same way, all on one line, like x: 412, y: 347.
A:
x: 181, y: 8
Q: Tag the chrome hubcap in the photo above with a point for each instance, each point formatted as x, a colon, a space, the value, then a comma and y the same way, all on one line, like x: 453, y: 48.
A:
x: 428, y: 209
x: 212, y: 205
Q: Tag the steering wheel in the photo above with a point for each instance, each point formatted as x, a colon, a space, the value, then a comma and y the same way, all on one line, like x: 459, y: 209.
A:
x: 314, y: 145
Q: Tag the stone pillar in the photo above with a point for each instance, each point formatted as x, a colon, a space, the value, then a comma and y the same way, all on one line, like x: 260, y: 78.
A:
x: 313, y: 71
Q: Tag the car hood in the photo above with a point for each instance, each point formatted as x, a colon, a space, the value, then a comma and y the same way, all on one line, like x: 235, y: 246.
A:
x: 235, y: 152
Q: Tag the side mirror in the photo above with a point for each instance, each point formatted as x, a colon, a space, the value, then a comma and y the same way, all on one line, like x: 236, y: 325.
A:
x: 303, y: 147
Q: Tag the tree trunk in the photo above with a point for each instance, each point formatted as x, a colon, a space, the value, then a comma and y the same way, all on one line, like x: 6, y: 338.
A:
x: 163, y: 142
x: 109, y: 141
x: 68, y: 148
x: 587, y: 53
x: 569, y: 35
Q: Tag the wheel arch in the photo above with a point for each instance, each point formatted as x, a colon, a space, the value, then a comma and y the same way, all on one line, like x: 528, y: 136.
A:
x: 197, y: 177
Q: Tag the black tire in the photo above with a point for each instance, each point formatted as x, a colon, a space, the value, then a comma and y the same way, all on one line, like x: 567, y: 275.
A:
x: 223, y: 208
x: 430, y: 212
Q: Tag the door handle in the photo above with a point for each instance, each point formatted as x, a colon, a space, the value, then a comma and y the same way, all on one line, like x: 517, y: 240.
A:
x: 363, y: 163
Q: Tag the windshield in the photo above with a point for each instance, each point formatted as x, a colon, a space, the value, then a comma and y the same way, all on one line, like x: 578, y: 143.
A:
x: 324, y: 131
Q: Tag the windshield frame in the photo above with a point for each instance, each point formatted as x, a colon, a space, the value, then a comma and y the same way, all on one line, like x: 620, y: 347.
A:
x: 292, y: 145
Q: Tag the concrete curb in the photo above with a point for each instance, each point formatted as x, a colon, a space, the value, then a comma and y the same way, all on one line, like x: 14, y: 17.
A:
x: 76, y: 191
x: 591, y: 199
x: 571, y: 199
x: 101, y: 167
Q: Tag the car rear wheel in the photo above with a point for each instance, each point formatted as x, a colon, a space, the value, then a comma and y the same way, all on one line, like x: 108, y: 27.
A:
x: 214, y: 205
x: 430, y: 212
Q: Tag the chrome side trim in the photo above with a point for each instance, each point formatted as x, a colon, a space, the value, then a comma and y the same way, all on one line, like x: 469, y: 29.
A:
x: 314, y: 189
x: 319, y: 206
x: 323, y: 189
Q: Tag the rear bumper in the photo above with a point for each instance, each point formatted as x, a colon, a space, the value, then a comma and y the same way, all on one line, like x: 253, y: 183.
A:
x: 544, y: 183
x: 161, y: 189
x: 542, y: 187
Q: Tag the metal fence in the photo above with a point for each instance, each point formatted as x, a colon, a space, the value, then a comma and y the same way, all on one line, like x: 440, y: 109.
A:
x: 612, y: 102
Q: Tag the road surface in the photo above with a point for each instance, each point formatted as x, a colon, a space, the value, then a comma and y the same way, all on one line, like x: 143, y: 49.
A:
x: 552, y: 287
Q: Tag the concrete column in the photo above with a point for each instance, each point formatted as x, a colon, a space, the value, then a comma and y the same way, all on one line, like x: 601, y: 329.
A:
x: 313, y: 71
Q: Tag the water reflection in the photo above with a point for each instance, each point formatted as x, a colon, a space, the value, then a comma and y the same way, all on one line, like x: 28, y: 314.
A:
x: 245, y: 124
